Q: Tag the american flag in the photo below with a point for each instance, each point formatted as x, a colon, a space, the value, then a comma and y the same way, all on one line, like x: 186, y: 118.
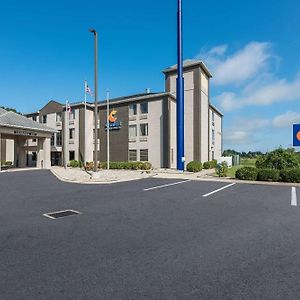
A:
x: 88, y: 90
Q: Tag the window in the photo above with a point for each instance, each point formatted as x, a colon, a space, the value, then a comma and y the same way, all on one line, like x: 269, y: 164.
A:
x: 44, y: 119
x: 132, y: 131
x: 71, y: 155
x: 34, y: 118
x: 132, y: 155
x: 59, y: 138
x: 213, y: 155
x: 212, y: 116
x: 58, y: 117
x: 34, y: 156
x: 144, y: 107
x: 72, y: 114
x: 144, y: 155
x: 144, y: 129
x: 72, y: 133
x: 52, y: 139
x: 213, y: 136
x: 34, y: 140
x: 132, y: 109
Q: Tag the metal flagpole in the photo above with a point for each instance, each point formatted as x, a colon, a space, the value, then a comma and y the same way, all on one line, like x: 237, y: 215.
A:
x: 107, y: 127
x: 66, y: 135
x: 84, y: 140
x: 180, y: 93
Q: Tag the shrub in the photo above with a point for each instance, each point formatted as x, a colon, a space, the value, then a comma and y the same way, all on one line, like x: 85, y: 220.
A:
x: 210, y: 164
x: 130, y: 165
x: 268, y: 175
x: 222, y: 169
x: 75, y: 164
x: 206, y: 165
x: 194, y: 166
x: 290, y: 175
x: 278, y: 159
x: 246, y: 173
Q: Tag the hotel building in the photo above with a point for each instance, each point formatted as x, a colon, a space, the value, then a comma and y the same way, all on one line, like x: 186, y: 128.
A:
x: 142, y: 127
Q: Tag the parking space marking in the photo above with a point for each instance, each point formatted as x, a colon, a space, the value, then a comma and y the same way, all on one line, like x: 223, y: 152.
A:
x: 166, y: 185
x: 294, y: 197
x: 218, y: 190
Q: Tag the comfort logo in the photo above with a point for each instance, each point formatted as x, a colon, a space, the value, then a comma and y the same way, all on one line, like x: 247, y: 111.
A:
x: 112, y: 117
x: 298, y: 136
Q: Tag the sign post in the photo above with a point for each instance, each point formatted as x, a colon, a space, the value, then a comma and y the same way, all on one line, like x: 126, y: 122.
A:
x: 180, y: 93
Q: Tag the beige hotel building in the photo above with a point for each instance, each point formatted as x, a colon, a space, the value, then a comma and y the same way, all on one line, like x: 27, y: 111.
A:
x: 144, y: 128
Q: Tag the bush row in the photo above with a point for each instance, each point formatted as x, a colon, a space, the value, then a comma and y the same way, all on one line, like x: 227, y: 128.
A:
x: 286, y: 175
x: 6, y: 163
x: 131, y: 165
x: 210, y: 164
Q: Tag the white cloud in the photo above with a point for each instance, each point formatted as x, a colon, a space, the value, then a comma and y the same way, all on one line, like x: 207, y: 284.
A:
x: 238, y: 137
x: 286, y: 120
x: 238, y: 67
x: 277, y: 91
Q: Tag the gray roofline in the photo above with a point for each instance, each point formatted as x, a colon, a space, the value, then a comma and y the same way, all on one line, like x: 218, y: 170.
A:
x: 188, y: 64
x: 150, y: 97
x: 216, y: 110
x: 50, y: 130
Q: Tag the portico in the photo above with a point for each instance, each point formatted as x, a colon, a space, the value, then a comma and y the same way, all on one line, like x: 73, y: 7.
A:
x: 16, y: 135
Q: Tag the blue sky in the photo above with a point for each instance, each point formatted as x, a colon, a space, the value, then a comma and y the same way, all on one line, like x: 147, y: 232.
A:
x: 252, y: 48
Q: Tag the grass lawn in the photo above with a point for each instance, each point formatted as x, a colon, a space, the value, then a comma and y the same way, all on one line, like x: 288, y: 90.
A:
x: 247, y: 162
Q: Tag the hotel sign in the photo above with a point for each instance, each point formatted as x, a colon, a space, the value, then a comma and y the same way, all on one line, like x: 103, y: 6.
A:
x: 112, y: 121
x: 296, y: 135
x: 24, y: 133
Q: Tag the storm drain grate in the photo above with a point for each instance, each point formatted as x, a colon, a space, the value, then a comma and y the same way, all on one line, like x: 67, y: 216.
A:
x: 61, y: 214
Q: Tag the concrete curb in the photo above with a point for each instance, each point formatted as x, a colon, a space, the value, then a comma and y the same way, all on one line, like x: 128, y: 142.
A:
x: 94, y: 182
x: 230, y: 180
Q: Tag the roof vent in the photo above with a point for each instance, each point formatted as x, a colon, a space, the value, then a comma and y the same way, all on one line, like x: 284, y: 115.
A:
x: 148, y: 90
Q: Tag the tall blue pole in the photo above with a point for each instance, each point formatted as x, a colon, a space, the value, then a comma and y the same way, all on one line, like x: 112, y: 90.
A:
x: 180, y: 93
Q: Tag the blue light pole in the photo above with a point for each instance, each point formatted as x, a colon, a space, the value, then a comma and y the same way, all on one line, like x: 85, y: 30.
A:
x: 180, y: 93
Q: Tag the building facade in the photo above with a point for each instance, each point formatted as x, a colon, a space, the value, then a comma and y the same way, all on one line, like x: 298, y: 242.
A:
x: 142, y: 127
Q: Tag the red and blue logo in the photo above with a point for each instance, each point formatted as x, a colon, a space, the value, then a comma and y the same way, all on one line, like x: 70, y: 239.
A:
x: 296, y: 135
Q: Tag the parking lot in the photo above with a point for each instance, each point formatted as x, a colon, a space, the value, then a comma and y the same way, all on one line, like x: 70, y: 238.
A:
x: 147, y: 239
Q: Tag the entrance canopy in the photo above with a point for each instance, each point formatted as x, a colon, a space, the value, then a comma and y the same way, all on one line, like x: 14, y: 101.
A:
x: 20, y: 130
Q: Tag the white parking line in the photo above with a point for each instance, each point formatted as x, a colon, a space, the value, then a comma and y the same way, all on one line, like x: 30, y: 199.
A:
x: 218, y: 190
x: 166, y: 185
x: 294, y: 197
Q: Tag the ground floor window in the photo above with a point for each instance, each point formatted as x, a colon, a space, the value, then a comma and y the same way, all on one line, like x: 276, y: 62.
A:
x: 132, y: 155
x: 144, y: 155
x: 52, y: 139
x: 71, y: 155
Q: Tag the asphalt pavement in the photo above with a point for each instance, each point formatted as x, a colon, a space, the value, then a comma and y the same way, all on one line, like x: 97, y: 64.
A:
x: 147, y: 239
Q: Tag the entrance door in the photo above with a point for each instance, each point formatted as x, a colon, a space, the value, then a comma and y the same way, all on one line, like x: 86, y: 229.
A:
x: 56, y: 159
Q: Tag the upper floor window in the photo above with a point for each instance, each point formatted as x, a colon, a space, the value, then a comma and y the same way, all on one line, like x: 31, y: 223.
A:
x: 213, y: 136
x: 58, y: 117
x: 212, y: 116
x: 132, y: 109
x: 34, y: 118
x: 72, y: 133
x: 52, y: 139
x: 59, y: 138
x: 44, y: 119
x: 144, y: 107
x: 72, y: 114
x: 132, y: 131
x: 144, y: 129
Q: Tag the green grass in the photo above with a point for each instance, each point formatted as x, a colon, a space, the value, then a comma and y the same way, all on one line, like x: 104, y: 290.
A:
x: 247, y: 162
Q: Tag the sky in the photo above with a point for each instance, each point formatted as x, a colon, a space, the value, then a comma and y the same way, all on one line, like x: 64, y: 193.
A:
x: 251, y: 47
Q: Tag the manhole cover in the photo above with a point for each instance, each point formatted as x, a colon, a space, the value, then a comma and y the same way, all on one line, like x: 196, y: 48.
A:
x: 61, y: 214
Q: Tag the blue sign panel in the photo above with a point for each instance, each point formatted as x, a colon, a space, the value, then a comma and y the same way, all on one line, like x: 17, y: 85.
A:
x: 296, y: 135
